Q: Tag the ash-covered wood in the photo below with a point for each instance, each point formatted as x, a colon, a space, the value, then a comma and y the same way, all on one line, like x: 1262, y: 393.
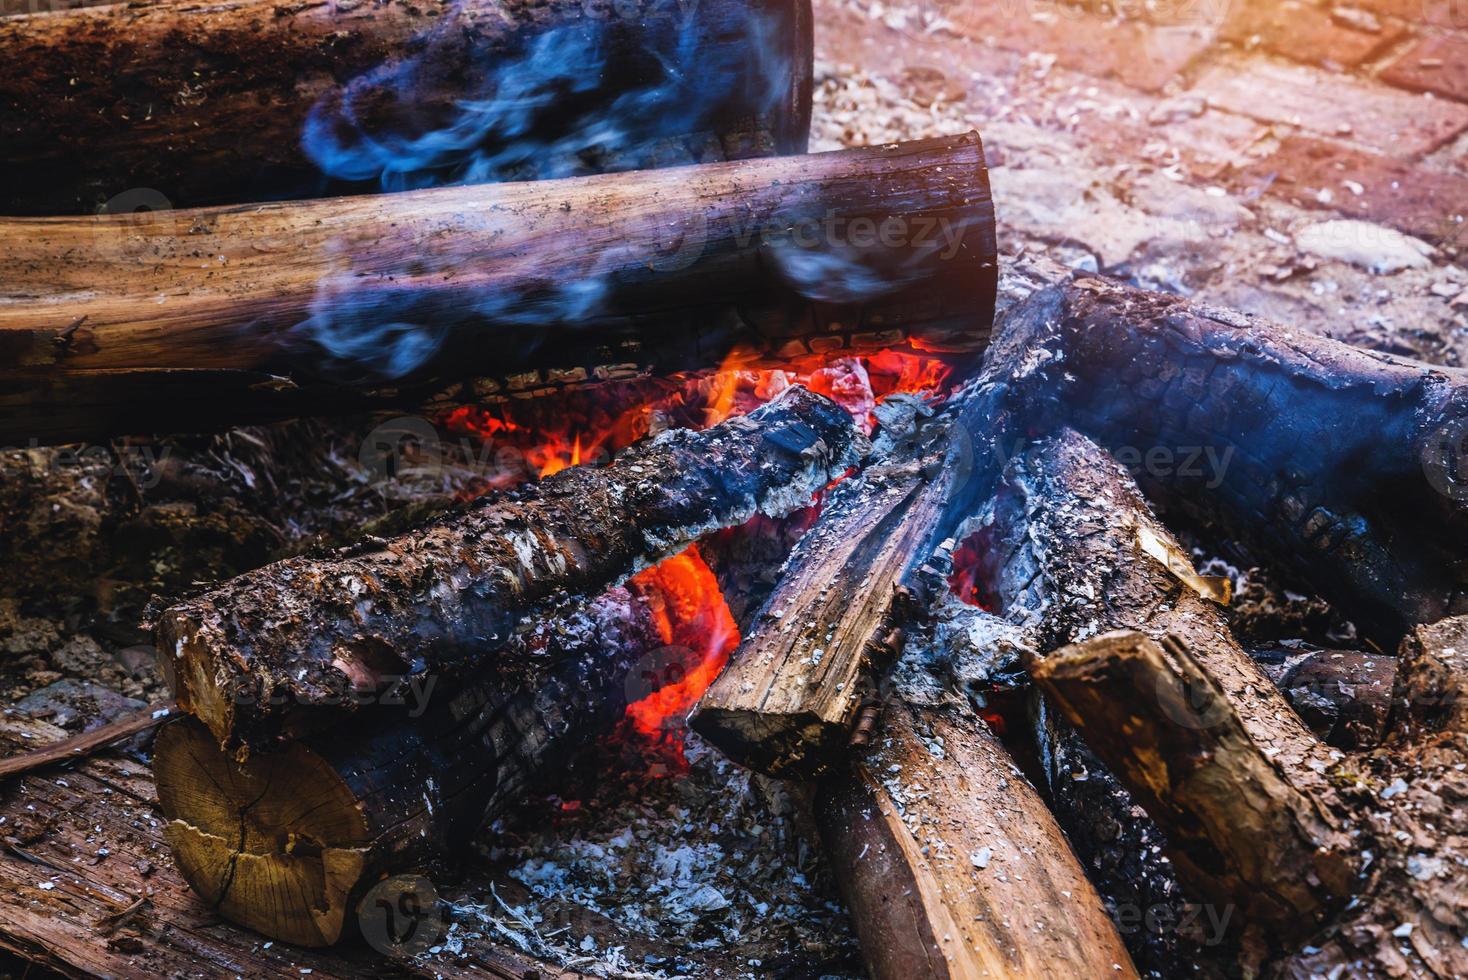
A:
x: 192, y: 320
x: 790, y: 698
x: 1076, y: 552
x: 395, y: 789
x: 951, y: 864
x: 1344, y: 466
x: 309, y: 632
x: 788, y: 701
x: 177, y: 104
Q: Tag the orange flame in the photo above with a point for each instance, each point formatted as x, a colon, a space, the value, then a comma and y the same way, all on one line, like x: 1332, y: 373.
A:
x: 689, y: 612
x: 535, y: 438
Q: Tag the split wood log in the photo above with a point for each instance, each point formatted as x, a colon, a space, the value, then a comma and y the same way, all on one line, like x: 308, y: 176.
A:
x: 1407, y: 917
x: 208, y: 318
x: 951, y: 864
x: 177, y: 104
x: 788, y: 701
x: 1347, y: 467
x: 261, y: 651
x: 1070, y: 546
x: 1254, y: 809
x: 288, y: 842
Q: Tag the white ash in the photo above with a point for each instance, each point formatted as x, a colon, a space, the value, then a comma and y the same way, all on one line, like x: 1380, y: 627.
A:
x: 965, y: 649
x: 708, y: 862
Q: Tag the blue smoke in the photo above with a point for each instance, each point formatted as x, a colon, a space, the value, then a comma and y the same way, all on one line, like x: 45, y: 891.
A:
x: 593, y: 95
x: 555, y: 104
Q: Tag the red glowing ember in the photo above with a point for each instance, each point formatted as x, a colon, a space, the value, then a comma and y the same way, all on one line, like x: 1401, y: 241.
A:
x: 691, y: 616
x: 530, y: 439
x: 966, y: 580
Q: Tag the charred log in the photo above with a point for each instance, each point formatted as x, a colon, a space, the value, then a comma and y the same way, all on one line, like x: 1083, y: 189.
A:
x: 1075, y: 550
x: 789, y: 700
x: 253, y: 653
x: 1343, y: 695
x: 201, y: 319
x: 1345, y: 466
x: 287, y: 842
x: 170, y: 104
x: 951, y: 864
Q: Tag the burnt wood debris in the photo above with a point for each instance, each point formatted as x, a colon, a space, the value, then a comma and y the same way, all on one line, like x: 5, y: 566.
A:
x: 314, y: 245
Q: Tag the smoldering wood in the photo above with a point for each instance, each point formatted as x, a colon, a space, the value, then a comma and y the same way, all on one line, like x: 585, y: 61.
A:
x: 178, y: 104
x: 951, y: 864
x: 1344, y: 466
x: 1255, y: 810
x: 393, y: 790
x: 192, y: 320
x: 258, y: 653
x: 1071, y: 546
x: 788, y: 702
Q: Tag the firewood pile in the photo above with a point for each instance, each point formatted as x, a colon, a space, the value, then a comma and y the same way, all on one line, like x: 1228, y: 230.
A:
x: 945, y: 512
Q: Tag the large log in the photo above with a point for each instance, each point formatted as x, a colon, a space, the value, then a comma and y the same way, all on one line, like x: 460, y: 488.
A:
x: 195, y: 319
x: 1347, y: 467
x: 253, y: 654
x: 174, y: 103
x: 951, y: 864
x: 397, y: 789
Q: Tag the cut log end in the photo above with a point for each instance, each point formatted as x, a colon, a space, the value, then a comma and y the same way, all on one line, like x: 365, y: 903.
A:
x: 1240, y: 827
x: 277, y: 843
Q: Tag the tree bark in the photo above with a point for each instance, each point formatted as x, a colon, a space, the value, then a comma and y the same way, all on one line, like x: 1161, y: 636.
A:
x: 198, y: 319
x: 178, y: 104
x: 951, y: 864
x: 260, y: 652
x: 1070, y: 545
x: 1347, y: 467
x: 287, y: 842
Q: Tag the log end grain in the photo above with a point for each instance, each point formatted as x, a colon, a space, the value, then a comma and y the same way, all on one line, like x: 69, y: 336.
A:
x: 277, y: 844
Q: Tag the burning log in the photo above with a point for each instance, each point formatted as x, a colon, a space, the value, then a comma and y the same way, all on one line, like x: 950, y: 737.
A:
x: 199, y: 319
x: 1345, y: 466
x: 287, y: 842
x: 951, y: 864
x: 180, y: 104
x: 255, y: 655
x: 789, y: 700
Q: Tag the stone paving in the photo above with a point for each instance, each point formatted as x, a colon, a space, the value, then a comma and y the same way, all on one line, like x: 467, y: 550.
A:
x: 1306, y: 161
